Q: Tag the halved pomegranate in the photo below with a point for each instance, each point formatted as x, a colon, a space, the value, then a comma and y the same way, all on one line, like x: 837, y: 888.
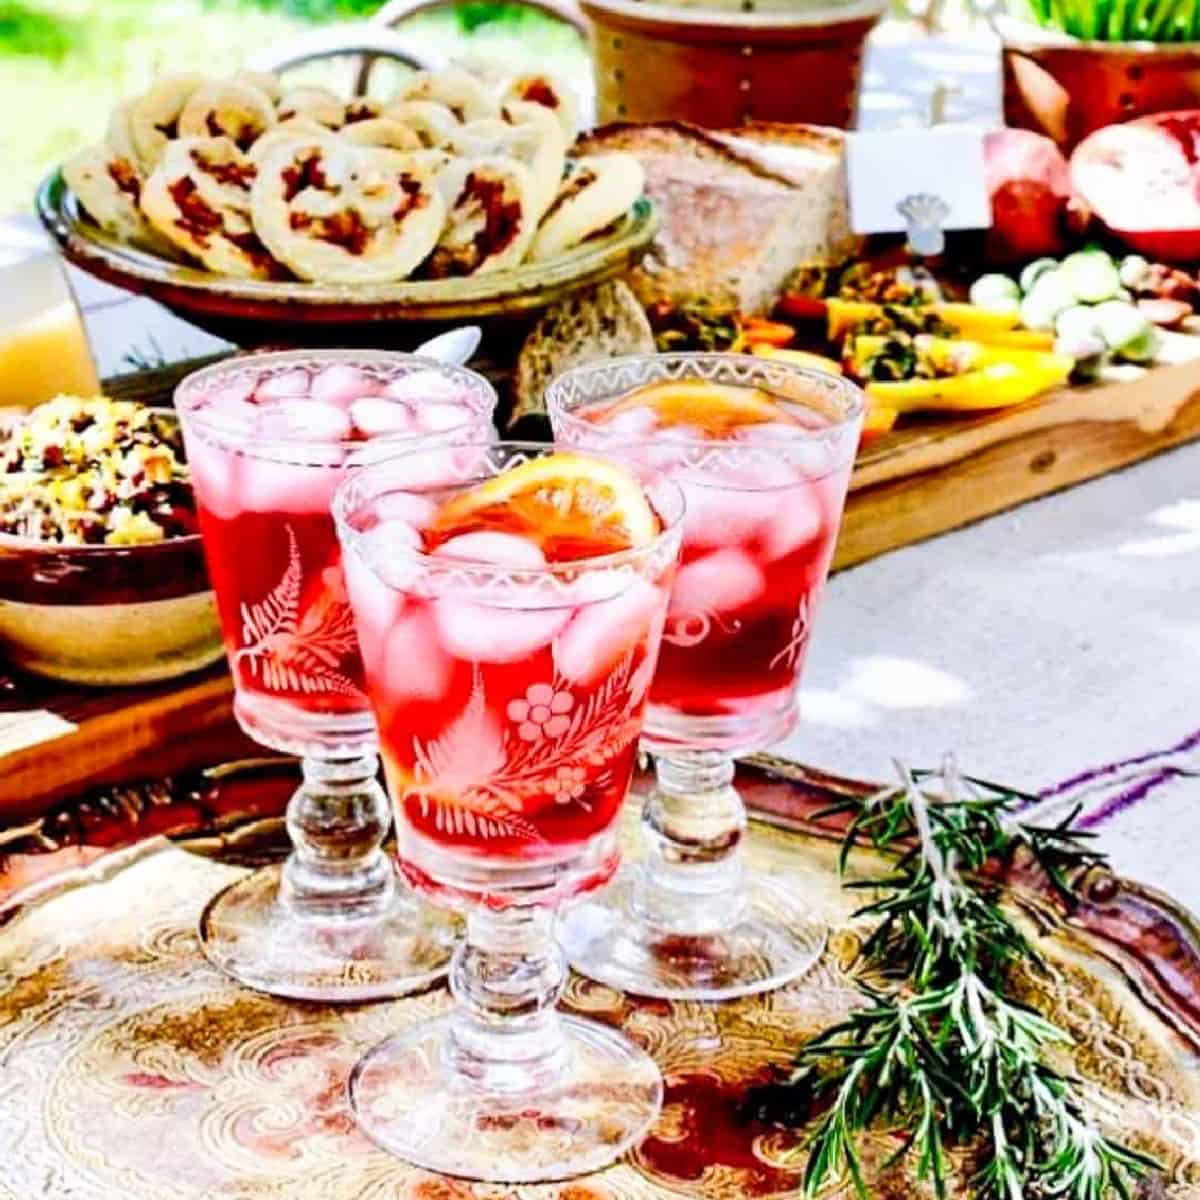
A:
x: 1142, y: 180
x: 1033, y: 210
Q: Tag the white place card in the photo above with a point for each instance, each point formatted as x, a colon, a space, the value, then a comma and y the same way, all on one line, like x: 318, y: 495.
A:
x: 889, y: 170
x: 20, y: 730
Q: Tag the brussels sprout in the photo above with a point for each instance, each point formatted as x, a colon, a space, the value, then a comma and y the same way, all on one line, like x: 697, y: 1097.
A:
x: 1077, y: 324
x: 1087, y: 349
x: 996, y: 292
x: 1077, y: 333
x: 1134, y: 269
x: 1078, y: 320
x: 1050, y: 295
x: 1092, y: 276
x: 1035, y: 270
x: 1127, y: 332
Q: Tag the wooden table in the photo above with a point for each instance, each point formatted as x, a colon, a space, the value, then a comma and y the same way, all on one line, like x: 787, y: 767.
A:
x: 1037, y: 643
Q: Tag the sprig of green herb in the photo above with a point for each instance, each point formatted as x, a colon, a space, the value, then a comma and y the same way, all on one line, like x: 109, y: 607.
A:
x: 945, y: 1052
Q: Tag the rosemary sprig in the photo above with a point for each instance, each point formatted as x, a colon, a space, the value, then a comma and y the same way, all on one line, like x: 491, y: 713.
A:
x: 945, y: 1052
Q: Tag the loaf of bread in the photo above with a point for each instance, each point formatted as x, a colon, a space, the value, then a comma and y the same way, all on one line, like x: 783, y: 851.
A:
x: 741, y: 209
x: 601, y: 322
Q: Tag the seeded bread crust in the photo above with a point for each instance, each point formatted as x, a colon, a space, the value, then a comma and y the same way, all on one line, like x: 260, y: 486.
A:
x: 602, y: 322
x: 741, y: 209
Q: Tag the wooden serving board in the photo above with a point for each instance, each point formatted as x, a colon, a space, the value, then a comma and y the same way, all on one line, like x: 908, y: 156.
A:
x: 941, y: 474
x: 113, y: 736
x: 921, y: 481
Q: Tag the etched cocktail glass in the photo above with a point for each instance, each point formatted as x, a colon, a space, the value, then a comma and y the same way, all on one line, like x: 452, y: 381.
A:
x: 269, y: 437
x: 509, y: 649
x: 762, y: 451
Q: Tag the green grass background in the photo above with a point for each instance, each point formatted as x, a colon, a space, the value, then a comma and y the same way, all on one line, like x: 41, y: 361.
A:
x: 63, y: 63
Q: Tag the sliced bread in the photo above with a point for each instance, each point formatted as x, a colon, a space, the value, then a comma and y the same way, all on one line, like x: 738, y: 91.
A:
x: 735, y: 224
x: 601, y: 322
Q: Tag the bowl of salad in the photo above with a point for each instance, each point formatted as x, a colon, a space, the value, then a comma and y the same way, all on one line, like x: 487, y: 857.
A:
x: 102, y: 577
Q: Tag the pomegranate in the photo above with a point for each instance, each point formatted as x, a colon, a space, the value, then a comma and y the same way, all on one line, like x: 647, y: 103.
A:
x: 1033, y: 208
x: 1142, y: 179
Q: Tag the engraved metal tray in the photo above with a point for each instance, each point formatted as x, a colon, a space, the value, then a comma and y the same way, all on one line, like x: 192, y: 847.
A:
x: 130, y: 1068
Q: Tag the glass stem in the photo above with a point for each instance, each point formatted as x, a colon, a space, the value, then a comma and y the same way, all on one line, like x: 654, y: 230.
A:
x: 691, y: 884
x: 506, y: 977
x: 337, y: 820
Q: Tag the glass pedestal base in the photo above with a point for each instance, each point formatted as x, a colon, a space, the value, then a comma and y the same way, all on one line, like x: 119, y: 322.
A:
x: 409, y: 1099
x: 769, y: 939
x: 250, y: 932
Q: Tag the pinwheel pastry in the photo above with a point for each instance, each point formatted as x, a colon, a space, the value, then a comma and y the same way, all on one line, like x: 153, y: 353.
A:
x: 109, y: 186
x: 341, y: 213
x: 263, y: 80
x: 118, y: 136
x: 464, y: 95
x: 229, y: 108
x: 492, y: 216
x: 533, y: 138
x: 316, y: 103
x: 289, y: 130
x: 108, y: 181
x: 154, y: 117
x: 433, y: 123
x: 362, y: 108
x: 462, y: 173
x: 549, y: 92
x: 199, y: 198
x: 546, y: 152
x: 595, y: 193
x: 382, y: 131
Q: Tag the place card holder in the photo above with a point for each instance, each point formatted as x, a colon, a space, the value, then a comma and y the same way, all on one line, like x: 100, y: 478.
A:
x: 919, y: 182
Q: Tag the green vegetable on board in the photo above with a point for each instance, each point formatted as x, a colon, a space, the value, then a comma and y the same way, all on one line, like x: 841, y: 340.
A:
x: 1034, y: 271
x: 1128, y: 334
x: 1091, y: 275
x: 1050, y: 295
x: 996, y: 292
x: 1134, y: 269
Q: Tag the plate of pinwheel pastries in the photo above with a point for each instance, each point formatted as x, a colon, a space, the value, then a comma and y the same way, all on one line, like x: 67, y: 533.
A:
x: 239, y: 199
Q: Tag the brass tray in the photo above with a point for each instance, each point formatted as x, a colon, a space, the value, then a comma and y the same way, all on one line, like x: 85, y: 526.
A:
x: 220, y: 303
x: 129, y: 1068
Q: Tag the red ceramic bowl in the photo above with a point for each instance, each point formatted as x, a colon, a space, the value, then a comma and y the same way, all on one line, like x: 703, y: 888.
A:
x: 107, y: 615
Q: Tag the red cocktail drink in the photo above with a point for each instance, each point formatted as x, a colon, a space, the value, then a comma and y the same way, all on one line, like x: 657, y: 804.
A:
x: 269, y: 438
x: 764, y: 495
x: 510, y: 628
x: 762, y: 451
x: 510, y: 646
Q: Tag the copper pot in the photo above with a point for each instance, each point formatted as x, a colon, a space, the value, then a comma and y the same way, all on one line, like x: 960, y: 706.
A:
x: 718, y: 65
x: 1066, y: 89
x: 721, y: 68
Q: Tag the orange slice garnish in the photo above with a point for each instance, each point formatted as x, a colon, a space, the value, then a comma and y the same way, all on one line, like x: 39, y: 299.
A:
x: 720, y: 409
x: 571, y: 505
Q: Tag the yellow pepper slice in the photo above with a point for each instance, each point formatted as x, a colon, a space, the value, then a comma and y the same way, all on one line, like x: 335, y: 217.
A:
x: 1019, y: 339
x: 996, y: 383
x: 878, y: 420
